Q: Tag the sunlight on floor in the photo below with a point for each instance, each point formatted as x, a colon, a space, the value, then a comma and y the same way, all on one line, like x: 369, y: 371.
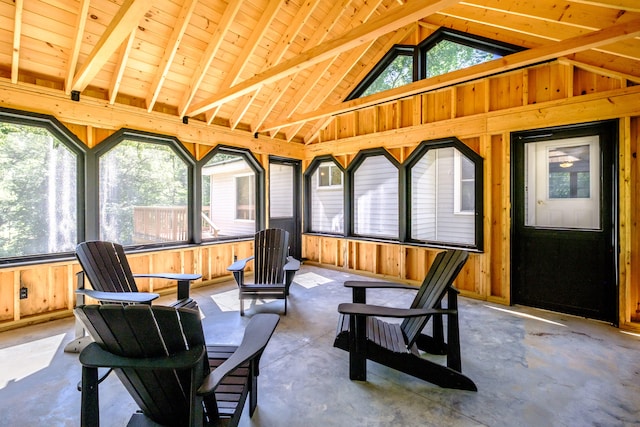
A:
x: 228, y: 301
x: 634, y: 334
x: 20, y: 361
x: 528, y: 316
x: 310, y: 280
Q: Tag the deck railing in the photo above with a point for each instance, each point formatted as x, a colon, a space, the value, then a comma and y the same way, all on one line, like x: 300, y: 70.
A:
x: 167, y: 223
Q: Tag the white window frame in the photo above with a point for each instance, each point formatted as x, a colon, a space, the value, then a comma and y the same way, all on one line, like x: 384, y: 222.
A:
x: 252, y: 196
x: 458, y: 180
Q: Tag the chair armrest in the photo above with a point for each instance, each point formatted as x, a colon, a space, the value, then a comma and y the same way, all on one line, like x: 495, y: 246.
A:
x: 170, y: 276
x: 124, y: 297
x: 382, y: 311
x: 256, y: 336
x: 379, y: 285
x: 292, y: 264
x: 94, y: 356
x: 240, y: 264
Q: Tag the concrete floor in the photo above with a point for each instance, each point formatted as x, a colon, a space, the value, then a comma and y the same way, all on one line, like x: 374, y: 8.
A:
x: 532, y: 368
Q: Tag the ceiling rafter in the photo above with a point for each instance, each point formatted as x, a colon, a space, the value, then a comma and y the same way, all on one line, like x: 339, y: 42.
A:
x: 17, y: 32
x: 212, y: 49
x: 122, y: 63
x: 170, y: 51
x: 276, y: 56
x: 81, y: 21
x: 127, y: 18
x: 516, y: 60
x: 267, y: 16
x: 396, y: 18
x: 400, y: 35
x: 361, y: 16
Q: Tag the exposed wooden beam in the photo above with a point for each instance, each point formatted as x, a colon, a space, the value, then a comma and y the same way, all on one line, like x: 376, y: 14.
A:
x: 17, y: 33
x: 510, y: 62
x: 127, y: 18
x: 360, y: 16
x: 386, y: 23
x: 122, y: 64
x: 212, y: 49
x: 72, y: 63
x: 274, y: 57
x: 170, y: 51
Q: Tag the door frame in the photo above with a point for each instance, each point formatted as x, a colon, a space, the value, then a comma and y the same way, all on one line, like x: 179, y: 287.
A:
x: 608, y: 131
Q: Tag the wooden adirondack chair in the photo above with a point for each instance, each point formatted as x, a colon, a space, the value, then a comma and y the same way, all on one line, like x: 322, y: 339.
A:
x: 273, y: 268
x: 105, y: 265
x: 160, y: 356
x: 364, y: 335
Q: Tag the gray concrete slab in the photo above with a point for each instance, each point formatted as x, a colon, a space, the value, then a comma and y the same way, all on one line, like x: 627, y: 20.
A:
x: 532, y: 368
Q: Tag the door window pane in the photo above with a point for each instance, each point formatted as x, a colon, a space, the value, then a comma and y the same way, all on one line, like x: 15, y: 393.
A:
x: 562, y: 183
x: 569, y: 172
x: 229, y: 196
x: 375, y: 193
x: 38, y: 192
x: 281, y: 190
x: 143, y: 194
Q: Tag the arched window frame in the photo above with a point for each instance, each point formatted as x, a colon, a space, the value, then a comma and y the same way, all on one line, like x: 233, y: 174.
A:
x: 259, y: 185
x: 310, y: 191
x: 76, y: 146
x: 93, y: 183
x: 478, y: 162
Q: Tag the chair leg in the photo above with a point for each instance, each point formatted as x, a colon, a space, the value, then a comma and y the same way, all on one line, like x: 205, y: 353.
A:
x: 285, y: 305
x: 241, y: 306
x: 357, y: 348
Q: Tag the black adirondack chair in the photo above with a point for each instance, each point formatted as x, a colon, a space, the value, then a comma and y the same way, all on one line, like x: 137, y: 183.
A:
x: 363, y: 333
x: 105, y: 265
x: 160, y: 356
x: 273, y: 268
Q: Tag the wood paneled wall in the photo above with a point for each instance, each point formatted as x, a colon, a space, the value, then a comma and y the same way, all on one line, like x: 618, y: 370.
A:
x: 481, y: 113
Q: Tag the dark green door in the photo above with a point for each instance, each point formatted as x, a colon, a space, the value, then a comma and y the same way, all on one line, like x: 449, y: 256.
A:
x: 564, y: 226
x: 284, y: 200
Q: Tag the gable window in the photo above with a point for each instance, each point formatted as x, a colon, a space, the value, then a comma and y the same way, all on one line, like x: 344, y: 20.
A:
x: 143, y: 189
x: 445, y: 203
x: 375, y: 200
x: 444, y: 51
x: 324, y: 191
x: 394, y: 70
x: 231, y: 179
x: 41, y: 164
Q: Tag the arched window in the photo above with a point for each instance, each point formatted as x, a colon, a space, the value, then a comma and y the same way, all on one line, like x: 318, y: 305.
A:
x: 42, y: 167
x: 375, y: 195
x: 232, y: 188
x: 324, y: 184
x: 445, y: 186
x: 143, y: 189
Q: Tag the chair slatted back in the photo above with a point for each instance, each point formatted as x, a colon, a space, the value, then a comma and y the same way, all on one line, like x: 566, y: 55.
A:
x: 105, y: 265
x: 443, y: 271
x: 271, y: 250
x: 143, y: 331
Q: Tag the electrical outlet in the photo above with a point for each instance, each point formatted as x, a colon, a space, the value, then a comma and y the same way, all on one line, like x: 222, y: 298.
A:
x: 24, y: 293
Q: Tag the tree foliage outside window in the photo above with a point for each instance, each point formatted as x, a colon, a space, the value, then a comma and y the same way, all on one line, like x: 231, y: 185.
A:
x: 447, y: 56
x: 398, y: 73
x: 143, y: 194
x: 38, y: 192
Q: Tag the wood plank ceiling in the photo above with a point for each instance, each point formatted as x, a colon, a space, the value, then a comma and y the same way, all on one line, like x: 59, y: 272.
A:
x: 283, y: 67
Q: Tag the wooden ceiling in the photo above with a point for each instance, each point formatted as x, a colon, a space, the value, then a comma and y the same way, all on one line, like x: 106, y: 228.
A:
x: 283, y: 67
